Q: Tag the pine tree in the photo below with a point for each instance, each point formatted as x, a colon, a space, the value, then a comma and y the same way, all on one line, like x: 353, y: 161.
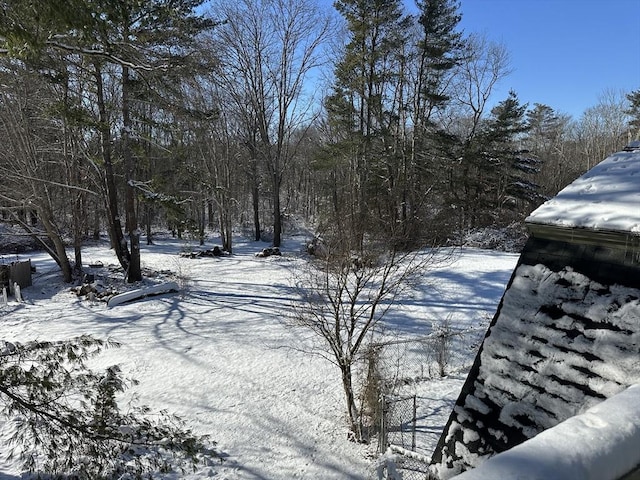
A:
x: 68, y: 421
x: 498, y: 169
x: 439, y: 51
x: 546, y: 139
x: 634, y: 112
x: 361, y: 109
x: 504, y: 167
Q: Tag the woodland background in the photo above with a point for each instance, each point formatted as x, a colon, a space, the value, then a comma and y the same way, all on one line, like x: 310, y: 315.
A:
x: 362, y: 121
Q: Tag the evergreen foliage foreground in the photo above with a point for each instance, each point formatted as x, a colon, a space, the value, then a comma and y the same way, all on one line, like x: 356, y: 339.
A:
x: 65, y: 419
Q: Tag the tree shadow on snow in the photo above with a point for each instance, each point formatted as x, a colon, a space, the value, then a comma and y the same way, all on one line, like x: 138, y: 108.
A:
x: 299, y: 444
x: 471, y: 295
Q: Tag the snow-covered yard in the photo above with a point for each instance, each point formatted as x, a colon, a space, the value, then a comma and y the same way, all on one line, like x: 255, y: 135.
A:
x: 219, y: 354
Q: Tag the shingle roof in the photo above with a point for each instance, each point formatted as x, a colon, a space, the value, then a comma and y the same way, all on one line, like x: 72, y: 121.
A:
x: 567, y: 331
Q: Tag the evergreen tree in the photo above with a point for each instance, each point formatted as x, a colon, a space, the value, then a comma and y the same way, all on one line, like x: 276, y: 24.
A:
x: 504, y: 167
x: 361, y: 110
x: 634, y: 112
x: 544, y: 128
x: 68, y: 420
x: 546, y: 138
x: 439, y: 51
x: 505, y: 131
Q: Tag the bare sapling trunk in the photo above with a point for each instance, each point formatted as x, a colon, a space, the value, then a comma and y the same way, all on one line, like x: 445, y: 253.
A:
x: 355, y: 422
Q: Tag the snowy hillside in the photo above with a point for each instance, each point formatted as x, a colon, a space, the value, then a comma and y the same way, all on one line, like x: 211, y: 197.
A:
x: 220, y: 356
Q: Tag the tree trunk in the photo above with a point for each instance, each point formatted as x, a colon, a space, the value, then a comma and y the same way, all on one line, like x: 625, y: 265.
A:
x: 225, y: 226
x: 149, y: 214
x: 96, y: 219
x: 80, y: 216
x: 255, y: 197
x: 74, y: 178
x: 224, y: 235
x: 79, y: 219
x: 202, y: 222
x: 134, y: 272
x: 352, y: 408
x: 277, y: 214
x: 118, y: 243
x: 59, y: 248
x: 210, y: 215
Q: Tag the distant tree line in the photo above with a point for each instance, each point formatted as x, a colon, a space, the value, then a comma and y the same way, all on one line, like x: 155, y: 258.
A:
x: 119, y: 116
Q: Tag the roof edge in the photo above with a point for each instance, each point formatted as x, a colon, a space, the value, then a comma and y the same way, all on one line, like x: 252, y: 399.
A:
x: 619, y: 239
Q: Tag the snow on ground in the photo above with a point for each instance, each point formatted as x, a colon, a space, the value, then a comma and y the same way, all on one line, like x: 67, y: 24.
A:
x: 218, y: 354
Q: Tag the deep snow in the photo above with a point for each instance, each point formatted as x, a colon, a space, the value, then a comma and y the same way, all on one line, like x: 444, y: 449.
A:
x: 219, y: 354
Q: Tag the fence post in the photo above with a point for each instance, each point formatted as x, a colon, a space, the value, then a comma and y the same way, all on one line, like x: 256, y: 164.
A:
x: 382, y: 438
x: 413, y: 430
x: 5, y: 301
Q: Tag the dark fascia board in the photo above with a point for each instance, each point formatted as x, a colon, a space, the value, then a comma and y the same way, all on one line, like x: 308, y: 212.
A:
x: 633, y: 475
x: 585, y: 236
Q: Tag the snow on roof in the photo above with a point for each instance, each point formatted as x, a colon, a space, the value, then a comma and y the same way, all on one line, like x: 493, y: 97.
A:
x: 607, y: 197
x: 599, y: 444
x: 566, y: 334
x: 560, y: 343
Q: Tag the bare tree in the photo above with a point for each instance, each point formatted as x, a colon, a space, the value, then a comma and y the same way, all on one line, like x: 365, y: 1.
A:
x: 217, y: 131
x: 604, y: 128
x: 486, y: 64
x: 35, y: 162
x: 344, y: 298
x: 269, y: 49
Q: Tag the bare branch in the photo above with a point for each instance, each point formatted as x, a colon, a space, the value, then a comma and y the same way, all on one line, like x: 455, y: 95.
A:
x: 109, y: 56
x: 343, y: 300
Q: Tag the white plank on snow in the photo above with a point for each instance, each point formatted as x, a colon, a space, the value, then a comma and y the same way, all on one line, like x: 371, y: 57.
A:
x: 142, y: 292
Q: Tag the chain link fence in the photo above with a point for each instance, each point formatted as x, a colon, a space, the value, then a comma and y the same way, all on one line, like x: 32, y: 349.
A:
x: 395, y: 365
x: 397, y: 440
x: 444, y: 351
x: 398, y: 425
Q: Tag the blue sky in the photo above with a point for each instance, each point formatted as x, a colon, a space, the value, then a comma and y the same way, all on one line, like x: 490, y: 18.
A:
x: 564, y: 53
